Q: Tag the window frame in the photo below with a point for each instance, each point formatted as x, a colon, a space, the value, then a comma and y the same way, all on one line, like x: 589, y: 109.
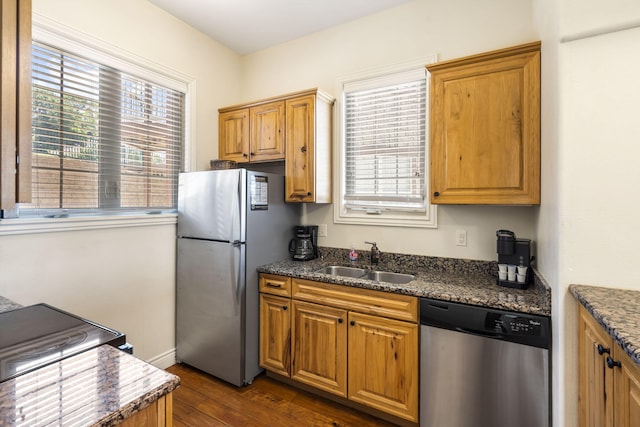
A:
x: 396, y: 218
x: 53, y: 33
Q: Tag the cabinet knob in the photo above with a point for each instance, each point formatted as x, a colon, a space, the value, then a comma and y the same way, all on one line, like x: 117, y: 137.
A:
x: 352, y: 323
x: 340, y: 320
x: 436, y: 194
x: 602, y: 350
x: 284, y: 307
x: 613, y: 363
x: 308, y: 193
x: 303, y: 148
x: 244, y: 154
x: 253, y: 154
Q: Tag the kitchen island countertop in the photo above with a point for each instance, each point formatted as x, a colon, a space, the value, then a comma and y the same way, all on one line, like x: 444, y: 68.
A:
x: 463, y: 281
x: 99, y: 387
x: 617, y: 311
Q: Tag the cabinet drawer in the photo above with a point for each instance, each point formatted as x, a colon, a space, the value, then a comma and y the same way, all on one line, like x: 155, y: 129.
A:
x: 275, y: 285
x: 386, y: 304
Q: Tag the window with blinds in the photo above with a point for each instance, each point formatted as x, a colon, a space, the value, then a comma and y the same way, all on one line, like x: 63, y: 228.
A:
x: 103, y: 140
x: 384, y: 128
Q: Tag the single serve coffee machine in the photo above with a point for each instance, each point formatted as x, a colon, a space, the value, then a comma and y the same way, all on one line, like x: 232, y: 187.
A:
x: 304, y: 246
x: 514, y: 260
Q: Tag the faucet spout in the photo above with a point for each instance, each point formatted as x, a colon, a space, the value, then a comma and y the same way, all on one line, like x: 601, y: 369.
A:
x: 375, y: 253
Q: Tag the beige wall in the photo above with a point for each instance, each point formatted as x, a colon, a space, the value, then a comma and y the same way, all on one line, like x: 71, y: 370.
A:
x: 415, y: 30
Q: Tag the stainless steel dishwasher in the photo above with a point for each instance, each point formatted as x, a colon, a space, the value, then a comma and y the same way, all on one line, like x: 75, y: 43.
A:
x: 482, y: 367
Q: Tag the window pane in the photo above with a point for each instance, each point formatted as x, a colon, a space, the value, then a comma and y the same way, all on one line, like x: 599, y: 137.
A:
x: 385, y: 145
x: 102, y: 139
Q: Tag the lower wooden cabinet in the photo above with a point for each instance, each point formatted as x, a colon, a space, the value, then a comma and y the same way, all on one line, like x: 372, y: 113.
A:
x: 609, y: 381
x: 319, y: 340
x: 158, y: 414
x: 275, y: 334
x: 354, y: 343
x: 383, y: 364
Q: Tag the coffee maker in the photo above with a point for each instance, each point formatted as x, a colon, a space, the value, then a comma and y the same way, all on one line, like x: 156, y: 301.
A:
x: 515, y: 256
x: 304, y: 246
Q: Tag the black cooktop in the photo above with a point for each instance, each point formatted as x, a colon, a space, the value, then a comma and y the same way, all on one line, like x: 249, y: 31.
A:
x: 37, y: 335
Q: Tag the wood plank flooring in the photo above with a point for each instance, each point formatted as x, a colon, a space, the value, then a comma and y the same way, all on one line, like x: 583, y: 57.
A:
x: 203, y: 400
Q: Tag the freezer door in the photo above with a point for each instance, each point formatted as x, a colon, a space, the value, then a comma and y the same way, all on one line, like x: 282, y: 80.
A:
x: 211, y: 204
x: 210, y: 308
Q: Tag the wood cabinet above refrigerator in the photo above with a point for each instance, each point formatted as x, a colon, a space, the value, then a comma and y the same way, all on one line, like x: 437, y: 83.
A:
x: 296, y: 128
x: 485, y: 128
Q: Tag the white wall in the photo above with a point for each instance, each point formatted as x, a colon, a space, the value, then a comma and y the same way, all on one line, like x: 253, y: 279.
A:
x: 415, y: 30
x: 589, y: 156
x: 124, y: 278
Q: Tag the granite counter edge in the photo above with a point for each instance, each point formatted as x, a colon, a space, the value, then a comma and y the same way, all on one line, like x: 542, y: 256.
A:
x: 631, y: 348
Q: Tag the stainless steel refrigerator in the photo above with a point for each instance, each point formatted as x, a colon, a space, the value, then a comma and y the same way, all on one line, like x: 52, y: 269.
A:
x: 229, y: 223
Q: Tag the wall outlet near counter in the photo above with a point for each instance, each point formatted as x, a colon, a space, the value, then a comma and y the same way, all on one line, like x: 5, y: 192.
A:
x: 322, y: 230
x: 461, y: 237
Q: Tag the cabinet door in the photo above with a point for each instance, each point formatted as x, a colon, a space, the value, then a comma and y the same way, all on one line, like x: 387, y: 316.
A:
x: 233, y: 131
x: 627, y: 390
x: 275, y: 334
x: 300, y: 138
x: 595, y: 379
x: 267, y: 132
x: 320, y: 347
x: 383, y: 364
x: 485, y: 128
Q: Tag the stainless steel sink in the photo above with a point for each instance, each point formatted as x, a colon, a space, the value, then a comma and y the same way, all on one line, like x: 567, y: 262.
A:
x: 361, y: 273
x: 389, y: 277
x: 337, y: 270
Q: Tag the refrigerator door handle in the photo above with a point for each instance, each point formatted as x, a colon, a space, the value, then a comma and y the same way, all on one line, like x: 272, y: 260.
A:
x: 235, y: 209
x: 235, y: 274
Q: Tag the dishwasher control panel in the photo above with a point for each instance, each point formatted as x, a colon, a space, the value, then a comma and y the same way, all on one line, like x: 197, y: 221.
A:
x: 511, y: 324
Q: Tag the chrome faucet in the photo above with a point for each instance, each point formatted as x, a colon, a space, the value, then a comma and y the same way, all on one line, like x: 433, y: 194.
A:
x: 375, y: 253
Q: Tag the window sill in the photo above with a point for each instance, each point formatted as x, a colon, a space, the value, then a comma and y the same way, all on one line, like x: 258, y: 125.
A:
x: 388, y: 220
x: 56, y: 225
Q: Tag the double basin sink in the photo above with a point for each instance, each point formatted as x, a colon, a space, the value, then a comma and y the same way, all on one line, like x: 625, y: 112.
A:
x: 361, y: 273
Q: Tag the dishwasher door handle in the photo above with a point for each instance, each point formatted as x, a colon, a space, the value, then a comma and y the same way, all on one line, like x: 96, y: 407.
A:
x: 485, y: 334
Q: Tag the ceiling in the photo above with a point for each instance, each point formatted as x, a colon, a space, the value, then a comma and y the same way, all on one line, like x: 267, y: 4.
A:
x: 247, y: 26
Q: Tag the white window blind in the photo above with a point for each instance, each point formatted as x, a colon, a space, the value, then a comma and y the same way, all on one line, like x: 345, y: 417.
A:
x: 103, y: 140
x: 385, y: 143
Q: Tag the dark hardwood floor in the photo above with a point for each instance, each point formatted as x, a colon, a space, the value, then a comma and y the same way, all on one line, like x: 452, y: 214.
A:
x: 202, y: 400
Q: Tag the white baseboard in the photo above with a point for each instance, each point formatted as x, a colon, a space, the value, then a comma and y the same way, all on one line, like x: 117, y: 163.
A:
x: 164, y: 360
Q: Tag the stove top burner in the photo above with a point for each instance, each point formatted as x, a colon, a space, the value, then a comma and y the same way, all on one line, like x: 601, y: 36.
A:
x: 35, y: 336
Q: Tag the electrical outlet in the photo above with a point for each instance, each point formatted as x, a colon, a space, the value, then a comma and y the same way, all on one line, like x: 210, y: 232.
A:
x: 461, y: 237
x: 322, y: 230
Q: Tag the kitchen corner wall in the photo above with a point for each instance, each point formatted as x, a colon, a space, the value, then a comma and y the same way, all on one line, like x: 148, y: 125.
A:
x: 418, y: 29
x: 586, y: 227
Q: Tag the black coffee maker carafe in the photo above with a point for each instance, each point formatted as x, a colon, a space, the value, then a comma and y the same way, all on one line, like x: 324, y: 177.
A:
x: 304, y: 246
x: 514, y: 257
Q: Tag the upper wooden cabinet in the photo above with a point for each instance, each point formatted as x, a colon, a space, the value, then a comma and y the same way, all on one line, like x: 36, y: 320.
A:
x: 308, y: 148
x: 254, y: 134
x: 296, y: 128
x: 485, y: 128
x: 15, y: 103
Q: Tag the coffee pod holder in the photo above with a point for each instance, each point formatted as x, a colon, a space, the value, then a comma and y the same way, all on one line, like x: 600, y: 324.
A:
x: 514, y: 260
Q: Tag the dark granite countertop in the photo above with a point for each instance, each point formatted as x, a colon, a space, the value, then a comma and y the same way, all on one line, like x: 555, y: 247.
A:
x: 99, y: 387
x: 6, y: 304
x: 617, y: 310
x: 457, y: 280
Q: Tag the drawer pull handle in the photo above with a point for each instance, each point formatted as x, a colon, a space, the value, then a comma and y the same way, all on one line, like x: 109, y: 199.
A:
x: 602, y: 350
x: 613, y: 363
x: 278, y: 285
